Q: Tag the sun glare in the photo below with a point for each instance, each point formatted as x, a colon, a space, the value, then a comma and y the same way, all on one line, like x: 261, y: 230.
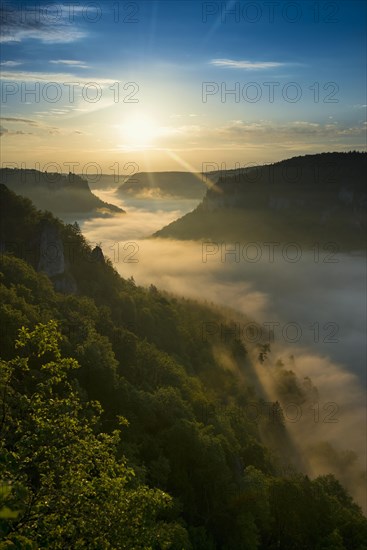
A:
x: 138, y: 131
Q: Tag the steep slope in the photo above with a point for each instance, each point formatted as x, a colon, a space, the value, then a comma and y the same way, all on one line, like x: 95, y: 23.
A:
x: 303, y: 199
x: 58, y: 193
x: 187, y: 386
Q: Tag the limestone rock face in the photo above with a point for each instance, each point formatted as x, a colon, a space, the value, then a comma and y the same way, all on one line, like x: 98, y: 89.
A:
x: 97, y: 255
x: 52, y: 260
x: 65, y: 284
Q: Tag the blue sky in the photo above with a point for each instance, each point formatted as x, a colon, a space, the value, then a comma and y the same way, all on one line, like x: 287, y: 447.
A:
x: 162, y: 56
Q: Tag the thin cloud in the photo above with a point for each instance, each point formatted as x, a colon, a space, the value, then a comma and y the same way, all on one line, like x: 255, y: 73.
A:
x: 40, y: 127
x: 60, y: 78
x: 266, y: 130
x: 23, y: 24
x: 70, y: 63
x: 5, y: 132
x: 245, y: 64
x: 22, y: 120
x: 10, y: 63
x: 47, y: 35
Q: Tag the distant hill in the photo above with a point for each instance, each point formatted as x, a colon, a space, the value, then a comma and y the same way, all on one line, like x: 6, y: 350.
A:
x: 305, y: 199
x: 104, y: 181
x: 58, y: 193
x: 186, y: 185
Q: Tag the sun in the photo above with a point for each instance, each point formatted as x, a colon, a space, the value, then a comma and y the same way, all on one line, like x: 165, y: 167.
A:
x: 138, y: 131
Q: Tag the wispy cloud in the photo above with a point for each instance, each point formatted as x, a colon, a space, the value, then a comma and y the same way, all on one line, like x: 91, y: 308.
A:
x: 21, y: 120
x: 5, y: 132
x: 38, y: 127
x: 60, y: 78
x: 24, y: 24
x: 265, y: 129
x: 10, y: 63
x: 46, y: 35
x: 70, y: 63
x: 245, y: 64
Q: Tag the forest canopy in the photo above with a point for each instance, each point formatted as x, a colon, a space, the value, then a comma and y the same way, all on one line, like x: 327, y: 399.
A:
x: 120, y: 427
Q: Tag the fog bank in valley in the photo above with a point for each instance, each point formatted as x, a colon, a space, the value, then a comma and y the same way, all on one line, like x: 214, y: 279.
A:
x: 314, y: 306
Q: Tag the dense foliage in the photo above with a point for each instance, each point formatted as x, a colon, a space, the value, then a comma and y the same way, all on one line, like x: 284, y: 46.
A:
x: 120, y: 425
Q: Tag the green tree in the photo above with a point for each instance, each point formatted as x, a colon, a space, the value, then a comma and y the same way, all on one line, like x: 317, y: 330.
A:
x: 62, y: 484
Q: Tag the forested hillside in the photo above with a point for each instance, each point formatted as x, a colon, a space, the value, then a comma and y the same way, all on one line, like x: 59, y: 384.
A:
x: 122, y: 426
x: 308, y: 199
x: 61, y: 194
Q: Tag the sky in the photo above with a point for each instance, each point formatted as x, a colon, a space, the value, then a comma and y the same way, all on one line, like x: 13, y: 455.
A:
x: 179, y: 85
